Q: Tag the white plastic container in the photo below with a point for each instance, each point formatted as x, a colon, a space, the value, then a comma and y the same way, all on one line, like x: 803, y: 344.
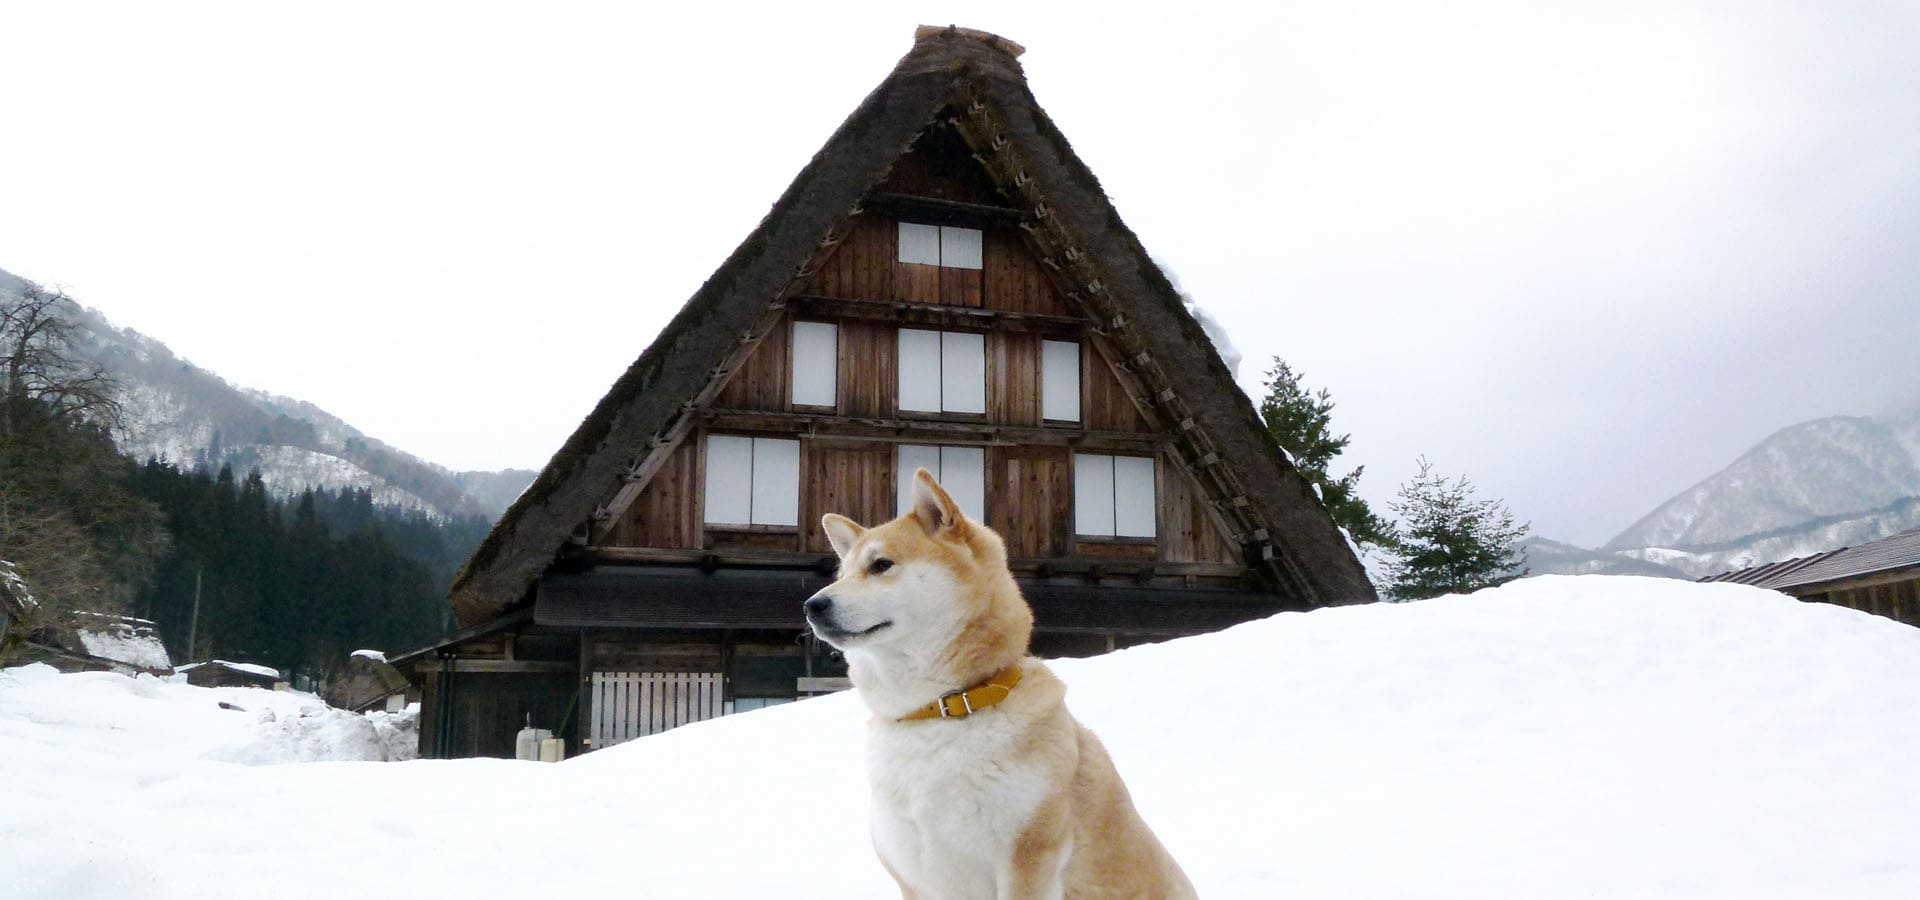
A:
x: 526, y: 745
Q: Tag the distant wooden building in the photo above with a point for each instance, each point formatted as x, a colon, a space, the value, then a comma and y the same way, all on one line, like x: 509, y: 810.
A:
x: 1882, y: 577
x: 944, y: 285
x: 222, y: 673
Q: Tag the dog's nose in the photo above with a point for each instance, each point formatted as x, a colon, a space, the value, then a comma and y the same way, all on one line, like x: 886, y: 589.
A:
x: 817, y: 605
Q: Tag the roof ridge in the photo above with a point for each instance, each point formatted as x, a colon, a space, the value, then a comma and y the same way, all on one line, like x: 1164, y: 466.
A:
x: 926, y: 33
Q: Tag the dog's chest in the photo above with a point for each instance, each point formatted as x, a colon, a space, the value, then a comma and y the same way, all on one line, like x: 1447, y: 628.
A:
x: 951, y: 799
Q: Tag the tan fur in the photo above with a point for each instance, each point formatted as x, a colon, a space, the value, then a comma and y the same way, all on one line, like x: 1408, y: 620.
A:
x: 1018, y: 800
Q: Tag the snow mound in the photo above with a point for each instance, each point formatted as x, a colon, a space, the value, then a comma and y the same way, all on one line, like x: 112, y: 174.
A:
x: 1589, y: 737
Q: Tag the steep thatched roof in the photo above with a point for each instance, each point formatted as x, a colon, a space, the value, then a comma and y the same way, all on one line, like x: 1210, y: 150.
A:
x: 948, y: 68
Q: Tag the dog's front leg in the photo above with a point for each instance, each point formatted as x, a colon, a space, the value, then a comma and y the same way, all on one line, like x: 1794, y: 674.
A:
x: 1037, y: 870
x: 906, y: 893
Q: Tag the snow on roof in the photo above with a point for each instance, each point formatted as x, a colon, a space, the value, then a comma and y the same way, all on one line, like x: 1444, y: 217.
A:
x: 125, y: 643
x: 374, y: 655
x: 249, y: 668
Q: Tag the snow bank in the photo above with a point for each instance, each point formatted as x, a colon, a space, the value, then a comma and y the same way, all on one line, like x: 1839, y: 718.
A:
x: 1585, y: 737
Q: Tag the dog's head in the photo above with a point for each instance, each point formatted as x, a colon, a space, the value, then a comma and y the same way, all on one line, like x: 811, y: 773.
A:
x: 930, y: 585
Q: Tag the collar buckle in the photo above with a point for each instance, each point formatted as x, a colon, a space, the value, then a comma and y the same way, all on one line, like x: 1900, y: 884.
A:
x: 966, y: 702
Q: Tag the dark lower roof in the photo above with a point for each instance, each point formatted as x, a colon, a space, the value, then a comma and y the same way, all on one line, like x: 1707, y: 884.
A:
x: 946, y: 68
x: 687, y: 597
x: 1889, y: 554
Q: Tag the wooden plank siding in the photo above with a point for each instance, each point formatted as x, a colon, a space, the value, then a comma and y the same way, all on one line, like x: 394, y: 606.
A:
x: 667, y: 512
x: 1013, y: 279
x: 959, y: 287
x: 1104, y: 402
x: 1013, y: 378
x: 916, y: 283
x: 869, y: 356
x: 855, y: 481
x: 1187, y: 533
x: 861, y: 268
x: 762, y: 382
x: 1897, y: 600
x: 1030, y: 500
x: 866, y: 267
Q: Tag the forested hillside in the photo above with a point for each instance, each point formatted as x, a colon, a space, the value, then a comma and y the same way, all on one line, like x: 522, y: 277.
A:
x: 297, y: 585
x: 222, y: 565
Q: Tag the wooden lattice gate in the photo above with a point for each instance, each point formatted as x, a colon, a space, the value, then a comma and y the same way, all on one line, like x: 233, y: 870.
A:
x: 627, y: 705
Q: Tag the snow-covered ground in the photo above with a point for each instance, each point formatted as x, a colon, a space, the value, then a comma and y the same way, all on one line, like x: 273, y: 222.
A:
x: 1558, y: 737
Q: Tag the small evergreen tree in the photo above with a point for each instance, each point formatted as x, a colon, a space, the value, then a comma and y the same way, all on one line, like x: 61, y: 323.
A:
x: 1450, y: 542
x: 1302, y: 423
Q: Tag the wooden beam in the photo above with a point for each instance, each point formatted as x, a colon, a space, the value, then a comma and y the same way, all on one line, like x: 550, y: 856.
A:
x: 936, y: 315
x: 821, y: 426
x: 817, y: 561
x: 944, y: 212
x: 496, y: 666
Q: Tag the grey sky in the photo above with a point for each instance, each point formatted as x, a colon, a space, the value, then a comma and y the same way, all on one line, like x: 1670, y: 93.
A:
x: 1582, y: 253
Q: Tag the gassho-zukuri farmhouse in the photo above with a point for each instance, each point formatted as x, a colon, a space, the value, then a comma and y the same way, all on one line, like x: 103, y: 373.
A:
x: 945, y: 285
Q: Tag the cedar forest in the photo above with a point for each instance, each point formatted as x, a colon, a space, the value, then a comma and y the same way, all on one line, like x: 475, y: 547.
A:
x: 295, y: 583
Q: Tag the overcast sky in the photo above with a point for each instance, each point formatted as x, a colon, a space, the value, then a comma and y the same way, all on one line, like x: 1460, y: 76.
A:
x: 1585, y: 254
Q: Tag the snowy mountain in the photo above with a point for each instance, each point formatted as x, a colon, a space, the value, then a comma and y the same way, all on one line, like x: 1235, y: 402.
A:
x: 180, y: 412
x: 1814, y: 486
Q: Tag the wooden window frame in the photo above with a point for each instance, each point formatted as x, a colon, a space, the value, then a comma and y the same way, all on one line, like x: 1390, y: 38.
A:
x: 940, y: 366
x: 749, y: 526
x: 1113, y: 488
x: 793, y: 367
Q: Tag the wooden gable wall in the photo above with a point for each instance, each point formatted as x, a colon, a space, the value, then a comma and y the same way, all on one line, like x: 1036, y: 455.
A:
x: 862, y: 288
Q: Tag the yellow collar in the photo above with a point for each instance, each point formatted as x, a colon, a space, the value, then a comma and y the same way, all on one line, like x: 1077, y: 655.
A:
x: 961, y: 704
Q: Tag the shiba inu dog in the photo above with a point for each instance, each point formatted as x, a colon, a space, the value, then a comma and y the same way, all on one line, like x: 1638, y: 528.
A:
x: 983, y: 785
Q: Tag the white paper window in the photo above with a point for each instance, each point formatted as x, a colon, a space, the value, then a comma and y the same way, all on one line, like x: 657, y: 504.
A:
x: 959, y: 247
x: 1133, y: 504
x: 1113, y: 496
x: 776, y: 482
x: 729, y: 479
x: 942, y: 371
x: 1092, y: 494
x: 919, y: 244
x: 816, y: 353
x: 961, y: 470
x: 919, y: 370
x: 963, y: 372
x: 940, y: 245
x: 752, y: 481
x: 1060, y: 381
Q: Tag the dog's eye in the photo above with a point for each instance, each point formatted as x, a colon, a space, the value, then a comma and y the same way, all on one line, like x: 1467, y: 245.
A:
x: 879, y: 565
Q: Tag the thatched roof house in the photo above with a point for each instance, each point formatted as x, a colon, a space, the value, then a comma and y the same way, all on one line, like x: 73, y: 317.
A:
x: 974, y: 79
x: 944, y: 284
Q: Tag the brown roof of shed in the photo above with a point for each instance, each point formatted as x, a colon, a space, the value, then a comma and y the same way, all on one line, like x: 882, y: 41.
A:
x: 1889, y: 554
x: 947, y: 68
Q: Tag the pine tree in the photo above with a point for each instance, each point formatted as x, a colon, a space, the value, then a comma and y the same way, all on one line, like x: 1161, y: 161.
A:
x: 1302, y: 423
x: 1450, y: 542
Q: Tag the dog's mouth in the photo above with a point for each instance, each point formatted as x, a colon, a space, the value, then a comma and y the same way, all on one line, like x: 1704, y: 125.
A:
x: 837, y: 636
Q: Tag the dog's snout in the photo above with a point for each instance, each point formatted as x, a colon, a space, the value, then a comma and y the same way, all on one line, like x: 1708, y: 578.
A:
x: 817, y: 605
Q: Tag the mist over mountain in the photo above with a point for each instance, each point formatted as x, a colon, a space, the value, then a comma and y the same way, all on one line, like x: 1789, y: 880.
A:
x: 1817, y: 485
x: 179, y: 412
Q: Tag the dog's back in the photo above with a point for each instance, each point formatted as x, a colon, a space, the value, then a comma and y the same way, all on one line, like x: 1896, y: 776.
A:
x: 993, y: 792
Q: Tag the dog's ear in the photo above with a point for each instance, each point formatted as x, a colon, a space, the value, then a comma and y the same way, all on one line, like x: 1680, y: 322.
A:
x: 841, y: 532
x: 933, y: 508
